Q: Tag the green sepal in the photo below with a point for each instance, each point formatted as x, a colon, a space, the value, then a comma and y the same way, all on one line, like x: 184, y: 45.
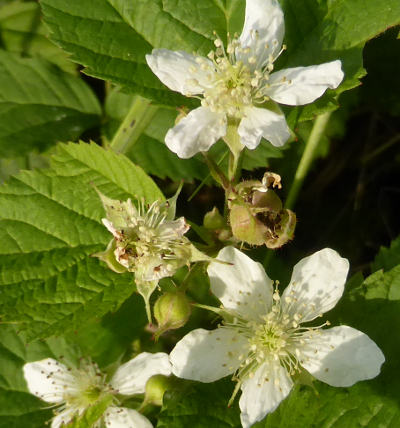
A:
x: 109, y: 258
x: 93, y: 414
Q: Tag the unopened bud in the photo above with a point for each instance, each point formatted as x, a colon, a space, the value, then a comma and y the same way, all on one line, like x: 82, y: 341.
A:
x: 171, y: 311
x: 155, y: 389
x: 213, y: 220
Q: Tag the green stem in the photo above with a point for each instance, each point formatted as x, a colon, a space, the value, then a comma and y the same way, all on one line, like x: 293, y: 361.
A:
x: 216, y: 171
x: 136, y: 121
x: 232, y: 139
x: 307, y: 158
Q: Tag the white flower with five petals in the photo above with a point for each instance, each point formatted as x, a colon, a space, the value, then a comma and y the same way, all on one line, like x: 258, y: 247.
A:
x: 237, y: 85
x: 73, y: 391
x: 261, y: 339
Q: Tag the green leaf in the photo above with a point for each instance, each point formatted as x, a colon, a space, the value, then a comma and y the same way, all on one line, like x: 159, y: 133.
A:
x: 22, y: 31
x: 358, y: 406
x: 318, y: 32
x: 387, y: 258
x: 200, y: 406
x: 50, y: 224
x: 96, y: 35
x: 111, y: 38
x: 40, y: 104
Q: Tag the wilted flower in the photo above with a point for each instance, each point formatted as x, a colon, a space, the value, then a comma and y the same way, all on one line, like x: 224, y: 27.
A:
x: 147, y: 241
x: 256, y: 214
x: 237, y: 85
x: 261, y: 339
x: 74, y: 391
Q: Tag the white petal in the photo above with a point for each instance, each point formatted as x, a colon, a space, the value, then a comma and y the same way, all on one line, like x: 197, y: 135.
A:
x: 316, y: 285
x: 48, y: 379
x: 121, y: 417
x: 263, y: 392
x: 303, y: 85
x: 266, y: 18
x: 131, y: 377
x: 261, y: 122
x: 341, y: 356
x: 243, y: 286
x: 63, y: 418
x: 208, y: 355
x: 179, y: 70
x: 196, y: 132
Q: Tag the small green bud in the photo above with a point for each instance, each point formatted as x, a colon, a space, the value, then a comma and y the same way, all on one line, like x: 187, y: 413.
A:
x: 155, y: 389
x: 171, y: 311
x: 213, y: 220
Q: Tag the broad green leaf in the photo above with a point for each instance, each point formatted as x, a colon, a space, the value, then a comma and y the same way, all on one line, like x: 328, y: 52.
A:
x: 111, y: 37
x: 318, y: 32
x: 108, y: 339
x: 200, y: 406
x: 96, y: 35
x: 387, y: 258
x: 358, y: 406
x: 40, y: 105
x: 50, y: 224
x: 22, y: 31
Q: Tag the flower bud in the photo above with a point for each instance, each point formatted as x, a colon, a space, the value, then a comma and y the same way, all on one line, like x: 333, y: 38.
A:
x: 213, y: 220
x: 155, y: 389
x: 171, y: 311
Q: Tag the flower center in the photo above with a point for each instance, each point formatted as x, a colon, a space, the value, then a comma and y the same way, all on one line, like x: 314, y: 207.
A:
x: 277, y: 336
x: 233, y: 84
x: 89, y: 384
x: 149, y: 239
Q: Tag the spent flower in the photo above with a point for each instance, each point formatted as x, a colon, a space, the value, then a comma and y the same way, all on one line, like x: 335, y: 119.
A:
x: 238, y: 86
x: 261, y: 340
x: 74, y: 390
x: 147, y: 240
x: 256, y: 214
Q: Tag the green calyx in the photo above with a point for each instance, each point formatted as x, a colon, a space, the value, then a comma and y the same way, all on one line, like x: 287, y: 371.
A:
x: 171, y: 310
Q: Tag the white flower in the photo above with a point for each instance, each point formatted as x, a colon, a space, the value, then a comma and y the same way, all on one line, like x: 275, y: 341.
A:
x: 238, y: 85
x: 261, y: 340
x: 75, y: 390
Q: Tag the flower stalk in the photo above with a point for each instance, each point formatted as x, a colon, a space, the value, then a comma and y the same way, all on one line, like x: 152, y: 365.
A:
x: 136, y: 121
x: 317, y: 132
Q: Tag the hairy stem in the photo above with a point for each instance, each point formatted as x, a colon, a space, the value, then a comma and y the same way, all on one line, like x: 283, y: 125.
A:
x: 136, y: 121
x: 308, y: 155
